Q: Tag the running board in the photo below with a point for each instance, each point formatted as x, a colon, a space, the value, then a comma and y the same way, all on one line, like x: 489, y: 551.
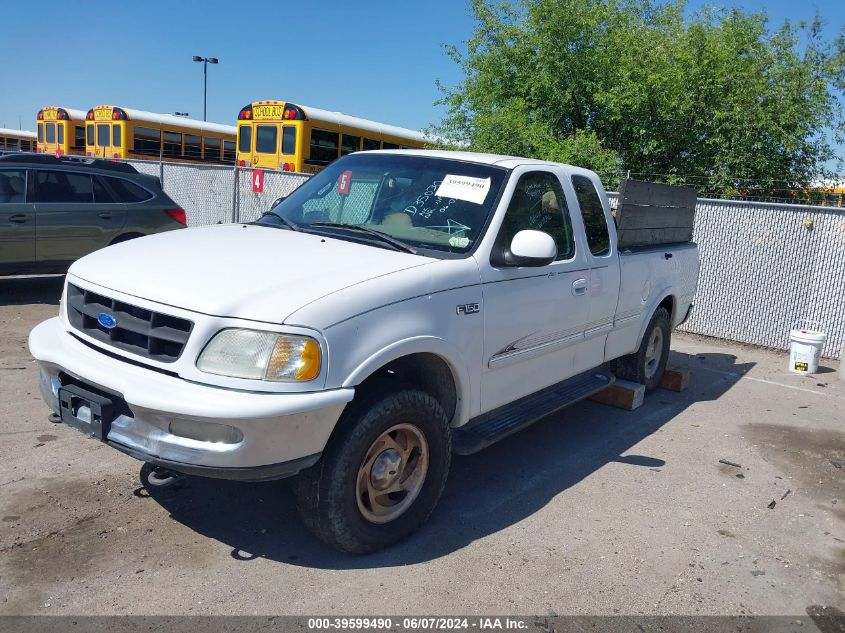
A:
x: 494, y: 425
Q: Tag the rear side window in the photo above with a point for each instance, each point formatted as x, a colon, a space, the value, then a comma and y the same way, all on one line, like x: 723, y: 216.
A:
x: 172, y: 143
x: 350, y: 144
x: 324, y: 146
x: 126, y: 191
x: 538, y: 204
x: 289, y: 140
x: 61, y: 186
x: 244, y: 138
x: 101, y: 194
x: 193, y: 147
x: 147, y: 140
x: 595, y: 224
x: 12, y: 186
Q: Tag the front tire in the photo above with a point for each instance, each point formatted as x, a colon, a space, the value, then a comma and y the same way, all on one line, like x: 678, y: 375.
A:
x: 381, y: 475
x: 647, y: 364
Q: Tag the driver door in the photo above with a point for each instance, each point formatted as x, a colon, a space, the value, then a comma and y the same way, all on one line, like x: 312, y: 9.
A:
x: 534, y: 317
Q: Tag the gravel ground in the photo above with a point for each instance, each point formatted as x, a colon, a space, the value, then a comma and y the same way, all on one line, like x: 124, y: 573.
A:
x: 591, y: 511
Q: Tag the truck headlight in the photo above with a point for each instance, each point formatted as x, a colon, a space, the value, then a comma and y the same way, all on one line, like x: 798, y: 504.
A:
x: 257, y: 355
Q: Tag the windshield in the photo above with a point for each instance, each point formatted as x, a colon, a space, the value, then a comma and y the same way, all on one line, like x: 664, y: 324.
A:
x: 431, y: 203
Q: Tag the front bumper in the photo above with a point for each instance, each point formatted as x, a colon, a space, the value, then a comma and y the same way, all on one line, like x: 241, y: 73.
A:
x: 281, y: 432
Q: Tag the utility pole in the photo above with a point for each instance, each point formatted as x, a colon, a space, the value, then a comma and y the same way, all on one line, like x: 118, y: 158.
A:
x: 205, y: 62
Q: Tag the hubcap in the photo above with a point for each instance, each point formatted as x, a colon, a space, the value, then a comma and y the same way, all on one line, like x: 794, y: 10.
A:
x: 653, y: 352
x: 392, y: 473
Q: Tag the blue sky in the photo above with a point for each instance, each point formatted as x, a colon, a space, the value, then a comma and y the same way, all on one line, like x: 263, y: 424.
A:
x: 376, y: 59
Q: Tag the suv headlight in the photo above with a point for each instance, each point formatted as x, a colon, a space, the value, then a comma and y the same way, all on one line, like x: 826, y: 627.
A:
x: 257, y: 355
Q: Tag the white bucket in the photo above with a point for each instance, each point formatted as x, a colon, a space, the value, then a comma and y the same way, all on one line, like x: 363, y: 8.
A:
x: 806, y: 340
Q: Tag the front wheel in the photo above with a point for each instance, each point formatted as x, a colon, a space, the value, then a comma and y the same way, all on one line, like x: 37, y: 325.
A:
x: 647, y: 364
x: 381, y: 474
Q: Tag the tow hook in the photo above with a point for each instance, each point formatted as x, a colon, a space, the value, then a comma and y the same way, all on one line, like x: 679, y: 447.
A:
x: 158, y: 477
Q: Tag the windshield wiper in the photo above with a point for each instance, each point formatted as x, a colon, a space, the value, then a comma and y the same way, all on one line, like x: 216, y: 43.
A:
x: 397, y: 244
x: 291, y: 225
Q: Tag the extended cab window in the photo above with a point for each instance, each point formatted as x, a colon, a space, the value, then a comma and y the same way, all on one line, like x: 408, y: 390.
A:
x: 595, y: 224
x: 538, y: 204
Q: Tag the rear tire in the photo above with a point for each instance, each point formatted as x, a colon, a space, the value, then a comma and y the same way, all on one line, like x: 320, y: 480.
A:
x: 382, y: 472
x: 647, y: 364
x: 125, y: 238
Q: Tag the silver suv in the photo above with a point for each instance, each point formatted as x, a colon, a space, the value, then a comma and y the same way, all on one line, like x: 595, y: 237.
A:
x: 55, y: 210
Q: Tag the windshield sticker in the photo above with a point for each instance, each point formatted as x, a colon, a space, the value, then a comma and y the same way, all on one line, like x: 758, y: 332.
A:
x: 464, y: 188
x: 344, y: 181
x: 458, y: 241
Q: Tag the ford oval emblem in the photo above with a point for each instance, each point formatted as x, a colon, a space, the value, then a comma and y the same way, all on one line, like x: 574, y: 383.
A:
x: 106, y: 320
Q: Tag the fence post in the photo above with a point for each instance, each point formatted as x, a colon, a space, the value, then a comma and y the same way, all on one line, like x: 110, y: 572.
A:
x: 161, y: 172
x: 236, y: 198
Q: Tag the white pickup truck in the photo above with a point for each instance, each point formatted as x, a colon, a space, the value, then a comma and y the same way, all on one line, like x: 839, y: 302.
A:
x: 397, y: 307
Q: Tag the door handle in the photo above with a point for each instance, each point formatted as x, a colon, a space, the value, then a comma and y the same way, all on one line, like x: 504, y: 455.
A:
x: 106, y: 215
x: 18, y: 218
x: 579, y: 286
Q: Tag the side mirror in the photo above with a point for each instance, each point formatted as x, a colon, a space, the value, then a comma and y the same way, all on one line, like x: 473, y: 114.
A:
x: 531, y: 248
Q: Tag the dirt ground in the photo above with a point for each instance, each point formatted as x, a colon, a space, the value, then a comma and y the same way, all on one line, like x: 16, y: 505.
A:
x: 591, y: 511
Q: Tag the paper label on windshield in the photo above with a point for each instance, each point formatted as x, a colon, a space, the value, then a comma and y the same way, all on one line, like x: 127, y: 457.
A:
x: 464, y: 188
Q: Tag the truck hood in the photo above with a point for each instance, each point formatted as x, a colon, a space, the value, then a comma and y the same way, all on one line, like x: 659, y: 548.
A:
x: 236, y: 270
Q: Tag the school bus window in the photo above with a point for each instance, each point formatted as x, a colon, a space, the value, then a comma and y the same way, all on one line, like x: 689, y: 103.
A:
x: 244, y: 138
x: 350, y: 144
x: 147, y: 140
x: 40, y: 132
x: 116, y: 136
x: 51, y: 132
x: 79, y: 137
x: 288, y: 140
x: 103, y: 134
x: 172, y: 144
x: 387, y: 145
x: 323, y: 146
x: 60, y: 129
x: 193, y: 148
x: 228, y: 151
x: 89, y: 130
x: 371, y: 143
x: 266, y: 139
x: 212, y: 148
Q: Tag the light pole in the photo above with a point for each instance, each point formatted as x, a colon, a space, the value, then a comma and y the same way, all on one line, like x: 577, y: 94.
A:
x: 205, y: 62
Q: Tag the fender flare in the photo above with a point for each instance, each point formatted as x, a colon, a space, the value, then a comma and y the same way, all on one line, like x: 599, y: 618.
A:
x: 659, y: 297
x: 448, y: 352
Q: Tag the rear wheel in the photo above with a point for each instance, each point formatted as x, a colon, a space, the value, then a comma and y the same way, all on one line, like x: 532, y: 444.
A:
x: 381, y: 474
x: 125, y: 238
x: 647, y: 364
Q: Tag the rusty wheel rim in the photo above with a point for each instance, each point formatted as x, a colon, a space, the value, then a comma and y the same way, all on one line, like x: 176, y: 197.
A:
x: 392, y: 473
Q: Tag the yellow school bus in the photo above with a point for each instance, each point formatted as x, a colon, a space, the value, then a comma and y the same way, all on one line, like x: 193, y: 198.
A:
x: 113, y: 132
x: 289, y: 137
x: 60, y: 131
x: 17, y: 140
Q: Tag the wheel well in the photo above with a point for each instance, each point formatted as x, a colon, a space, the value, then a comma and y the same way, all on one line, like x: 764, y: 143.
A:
x: 426, y: 371
x: 669, y: 304
x: 125, y: 237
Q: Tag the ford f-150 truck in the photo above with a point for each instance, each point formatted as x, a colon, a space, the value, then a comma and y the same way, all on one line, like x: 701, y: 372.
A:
x: 397, y: 307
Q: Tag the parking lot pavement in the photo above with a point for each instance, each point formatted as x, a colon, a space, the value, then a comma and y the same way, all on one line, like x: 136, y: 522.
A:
x: 591, y: 511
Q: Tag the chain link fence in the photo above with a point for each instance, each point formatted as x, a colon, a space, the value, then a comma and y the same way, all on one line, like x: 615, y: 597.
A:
x: 764, y: 266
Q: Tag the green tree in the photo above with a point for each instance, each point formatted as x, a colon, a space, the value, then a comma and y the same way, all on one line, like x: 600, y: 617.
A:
x: 716, y: 100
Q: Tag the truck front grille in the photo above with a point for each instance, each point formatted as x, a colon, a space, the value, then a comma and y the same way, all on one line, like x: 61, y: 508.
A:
x: 153, y: 335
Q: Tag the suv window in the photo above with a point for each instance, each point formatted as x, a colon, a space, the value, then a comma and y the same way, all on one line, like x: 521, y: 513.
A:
x: 595, y: 224
x: 62, y: 186
x: 12, y: 186
x: 538, y: 204
x: 101, y: 194
x: 127, y: 191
